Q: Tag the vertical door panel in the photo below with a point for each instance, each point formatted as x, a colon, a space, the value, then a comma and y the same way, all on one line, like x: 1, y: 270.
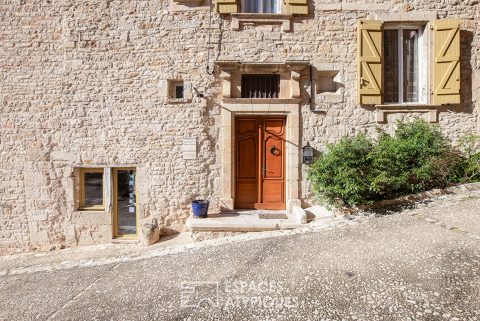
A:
x: 246, y: 164
x: 273, y: 182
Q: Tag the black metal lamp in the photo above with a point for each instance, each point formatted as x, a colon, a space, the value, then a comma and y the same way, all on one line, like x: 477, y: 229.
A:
x: 307, y: 154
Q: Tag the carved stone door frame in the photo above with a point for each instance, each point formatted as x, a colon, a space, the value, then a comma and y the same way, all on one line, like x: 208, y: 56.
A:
x: 238, y: 106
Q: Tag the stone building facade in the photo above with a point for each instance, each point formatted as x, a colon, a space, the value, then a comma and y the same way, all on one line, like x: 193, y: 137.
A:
x: 148, y: 94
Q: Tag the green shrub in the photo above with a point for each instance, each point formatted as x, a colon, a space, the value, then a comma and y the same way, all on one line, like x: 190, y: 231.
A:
x: 339, y: 177
x: 470, y: 147
x: 417, y: 157
x: 406, y: 162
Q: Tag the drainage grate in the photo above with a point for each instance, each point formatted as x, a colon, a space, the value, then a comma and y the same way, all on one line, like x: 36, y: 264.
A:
x: 272, y: 216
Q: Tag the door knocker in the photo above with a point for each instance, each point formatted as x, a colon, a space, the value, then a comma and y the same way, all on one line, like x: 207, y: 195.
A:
x: 274, y: 151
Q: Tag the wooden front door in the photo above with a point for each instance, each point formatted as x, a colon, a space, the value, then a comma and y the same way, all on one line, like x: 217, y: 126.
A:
x: 260, y: 162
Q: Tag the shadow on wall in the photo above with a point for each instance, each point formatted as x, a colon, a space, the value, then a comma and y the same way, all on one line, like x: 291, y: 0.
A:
x: 466, y: 72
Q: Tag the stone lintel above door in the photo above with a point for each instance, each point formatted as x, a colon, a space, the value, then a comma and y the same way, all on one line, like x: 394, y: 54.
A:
x: 289, y: 71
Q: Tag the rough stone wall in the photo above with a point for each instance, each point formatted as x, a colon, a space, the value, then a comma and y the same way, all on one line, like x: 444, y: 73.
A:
x: 83, y: 83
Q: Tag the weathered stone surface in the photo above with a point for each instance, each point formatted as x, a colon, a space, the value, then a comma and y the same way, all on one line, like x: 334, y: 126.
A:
x: 83, y: 83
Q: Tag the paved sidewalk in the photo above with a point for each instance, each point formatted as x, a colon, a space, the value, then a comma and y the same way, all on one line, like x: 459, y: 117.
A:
x: 422, y: 263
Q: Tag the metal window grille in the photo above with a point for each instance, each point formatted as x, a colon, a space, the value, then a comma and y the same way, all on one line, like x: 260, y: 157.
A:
x: 179, y: 91
x: 260, y: 86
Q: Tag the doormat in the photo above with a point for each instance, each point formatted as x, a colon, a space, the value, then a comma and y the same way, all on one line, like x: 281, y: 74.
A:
x: 272, y: 216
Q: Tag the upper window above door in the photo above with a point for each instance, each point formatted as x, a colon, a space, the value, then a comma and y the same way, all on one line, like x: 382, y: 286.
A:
x: 260, y: 6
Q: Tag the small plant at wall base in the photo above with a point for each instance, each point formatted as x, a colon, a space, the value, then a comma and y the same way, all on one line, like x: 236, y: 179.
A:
x: 200, y: 206
x: 417, y: 157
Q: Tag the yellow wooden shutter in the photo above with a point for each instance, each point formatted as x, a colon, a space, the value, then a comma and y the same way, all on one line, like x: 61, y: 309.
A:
x: 296, y: 6
x: 446, y: 65
x: 369, y: 62
x: 227, y: 6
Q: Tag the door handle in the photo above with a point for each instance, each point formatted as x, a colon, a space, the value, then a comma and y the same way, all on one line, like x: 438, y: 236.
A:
x: 274, y: 151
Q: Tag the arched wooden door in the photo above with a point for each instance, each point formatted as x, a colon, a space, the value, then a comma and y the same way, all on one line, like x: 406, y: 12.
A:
x: 260, y: 162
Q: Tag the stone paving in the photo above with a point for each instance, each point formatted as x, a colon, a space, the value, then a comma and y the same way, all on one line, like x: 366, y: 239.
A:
x: 419, y: 262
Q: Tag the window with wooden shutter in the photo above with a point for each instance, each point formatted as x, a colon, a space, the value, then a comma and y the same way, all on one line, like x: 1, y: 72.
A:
x: 227, y: 6
x: 296, y: 6
x: 369, y: 62
x: 446, y: 65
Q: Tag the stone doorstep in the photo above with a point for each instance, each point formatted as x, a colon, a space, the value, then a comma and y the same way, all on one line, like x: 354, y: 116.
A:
x: 241, y: 221
x: 125, y: 240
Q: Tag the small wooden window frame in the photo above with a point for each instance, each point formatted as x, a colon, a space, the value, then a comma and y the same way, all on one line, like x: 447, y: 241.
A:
x: 82, y: 206
x: 172, y: 88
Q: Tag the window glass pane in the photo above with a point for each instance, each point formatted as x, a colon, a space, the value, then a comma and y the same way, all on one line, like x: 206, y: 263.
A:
x: 126, y: 203
x: 260, y: 6
x: 179, y: 91
x: 410, y: 65
x: 391, y: 65
x: 260, y: 86
x: 93, y: 188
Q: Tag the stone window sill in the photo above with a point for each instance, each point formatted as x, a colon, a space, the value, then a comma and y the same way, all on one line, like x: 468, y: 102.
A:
x: 407, y: 106
x: 271, y: 18
x: 179, y: 100
x: 91, y: 209
x: 430, y: 110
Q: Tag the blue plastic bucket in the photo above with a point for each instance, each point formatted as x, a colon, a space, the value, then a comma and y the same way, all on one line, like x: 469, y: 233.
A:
x: 200, y: 208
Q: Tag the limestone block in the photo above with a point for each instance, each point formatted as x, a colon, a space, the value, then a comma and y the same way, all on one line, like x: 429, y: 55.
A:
x: 299, y: 214
x: 150, y: 233
x: 71, y: 238
x: 91, y: 218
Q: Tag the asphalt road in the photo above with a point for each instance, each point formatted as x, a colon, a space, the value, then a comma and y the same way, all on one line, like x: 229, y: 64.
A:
x: 419, y: 264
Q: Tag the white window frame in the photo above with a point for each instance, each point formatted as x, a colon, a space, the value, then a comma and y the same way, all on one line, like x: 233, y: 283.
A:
x: 279, y: 8
x: 422, y: 93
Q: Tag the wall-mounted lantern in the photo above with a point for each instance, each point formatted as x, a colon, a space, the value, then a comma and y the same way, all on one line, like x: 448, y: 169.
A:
x: 307, y: 154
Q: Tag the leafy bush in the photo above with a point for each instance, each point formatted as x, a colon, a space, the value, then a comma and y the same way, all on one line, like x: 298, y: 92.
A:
x: 338, y: 176
x: 417, y: 157
x: 470, y: 147
x: 405, y: 162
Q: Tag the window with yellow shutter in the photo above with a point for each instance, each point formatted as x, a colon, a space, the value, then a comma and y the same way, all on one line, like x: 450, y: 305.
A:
x: 369, y: 59
x: 396, y: 65
x: 446, y: 65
